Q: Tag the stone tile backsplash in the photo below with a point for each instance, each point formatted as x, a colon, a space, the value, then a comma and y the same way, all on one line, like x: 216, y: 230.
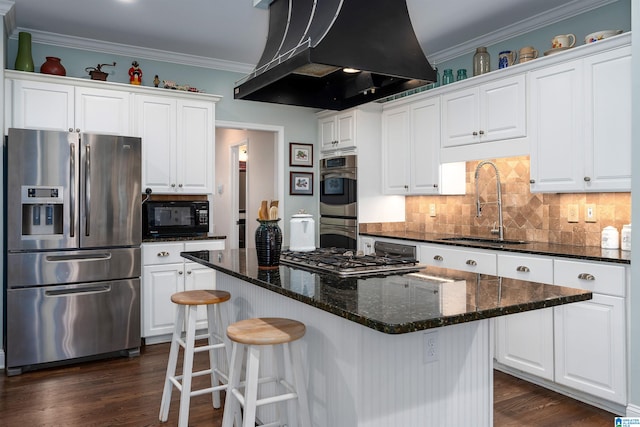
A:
x: 532, y: 217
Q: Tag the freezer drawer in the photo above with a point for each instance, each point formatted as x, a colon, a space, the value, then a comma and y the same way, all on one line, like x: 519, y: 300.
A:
x: 55, y: 323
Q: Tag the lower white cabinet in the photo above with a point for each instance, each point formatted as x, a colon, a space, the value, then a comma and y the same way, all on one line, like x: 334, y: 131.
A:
x: 164, y: 273
x: 465, y: 259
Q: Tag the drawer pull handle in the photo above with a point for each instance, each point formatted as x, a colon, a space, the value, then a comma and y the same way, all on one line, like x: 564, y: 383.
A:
x: 523, y: 268
x: 180, y: 273
x: 471, y: 262
x: 163, y: 254
x: 438, y: 258
x: 586, y: 276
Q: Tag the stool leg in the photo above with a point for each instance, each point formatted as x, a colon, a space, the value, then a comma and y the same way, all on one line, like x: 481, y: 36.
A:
x: 251, y: 387
x: 301, y: 389
x: 213, y: 325
x: 171, y: 364
x: 280, y: 373
x: 231, y: 404
x: 187, y: 370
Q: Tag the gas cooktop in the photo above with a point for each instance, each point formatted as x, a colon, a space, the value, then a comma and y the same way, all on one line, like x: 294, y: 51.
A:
x: 345, y: 262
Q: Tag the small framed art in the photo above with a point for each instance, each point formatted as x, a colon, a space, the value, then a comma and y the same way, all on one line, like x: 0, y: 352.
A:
x: 300, y: 154
x: 301, y: 183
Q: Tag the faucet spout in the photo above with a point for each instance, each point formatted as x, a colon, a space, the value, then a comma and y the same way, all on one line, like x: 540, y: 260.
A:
x: 500, y: 230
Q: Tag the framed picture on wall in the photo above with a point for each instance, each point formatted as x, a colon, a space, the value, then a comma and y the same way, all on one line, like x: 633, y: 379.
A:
x: 301, y: 183
x: 300, y: 155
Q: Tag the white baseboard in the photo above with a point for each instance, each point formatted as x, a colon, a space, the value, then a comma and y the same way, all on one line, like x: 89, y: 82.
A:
x: 633, y: 410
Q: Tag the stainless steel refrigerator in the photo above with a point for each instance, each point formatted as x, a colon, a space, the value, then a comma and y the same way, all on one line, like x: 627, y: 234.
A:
x: 73, y: 234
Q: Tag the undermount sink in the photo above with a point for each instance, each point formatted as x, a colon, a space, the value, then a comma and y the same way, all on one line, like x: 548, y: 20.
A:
x: 481, y: 240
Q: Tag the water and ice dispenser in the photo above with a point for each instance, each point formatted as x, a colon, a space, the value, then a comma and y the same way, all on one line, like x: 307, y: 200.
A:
x: 42, y: 211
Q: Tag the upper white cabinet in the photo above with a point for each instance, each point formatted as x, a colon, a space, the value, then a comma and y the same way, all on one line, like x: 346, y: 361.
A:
x: 178, y: 144
x: 490, y: 112
x: 581, y: 124
x: 337, y: 131
x: 53, y: 106
x: 410, y: 151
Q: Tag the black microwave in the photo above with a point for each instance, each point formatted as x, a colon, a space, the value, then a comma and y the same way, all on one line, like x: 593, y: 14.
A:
x: 175, y: 218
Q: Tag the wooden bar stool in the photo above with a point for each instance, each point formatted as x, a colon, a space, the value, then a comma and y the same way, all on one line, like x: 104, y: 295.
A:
x: 193, y: 299
x: 254, y: 334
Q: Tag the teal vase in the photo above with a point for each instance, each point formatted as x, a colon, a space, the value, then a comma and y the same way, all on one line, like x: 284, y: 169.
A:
x: 24, y: 60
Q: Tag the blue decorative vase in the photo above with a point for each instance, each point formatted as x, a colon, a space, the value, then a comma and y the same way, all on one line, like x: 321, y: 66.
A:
x: 268, y: 244
x: 24, y: 60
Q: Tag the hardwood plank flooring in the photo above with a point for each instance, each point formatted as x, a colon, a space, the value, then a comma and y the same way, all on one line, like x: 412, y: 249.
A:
x: 127, y: 392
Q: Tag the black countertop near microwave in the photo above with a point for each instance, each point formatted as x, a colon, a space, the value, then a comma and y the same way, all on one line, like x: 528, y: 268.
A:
x: 586, y: 253
x: 181, y: 239
x: 395, y: 304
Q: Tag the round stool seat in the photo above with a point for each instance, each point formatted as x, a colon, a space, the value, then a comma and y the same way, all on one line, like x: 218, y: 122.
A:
x: 200, y: 297
x: 265, y: 331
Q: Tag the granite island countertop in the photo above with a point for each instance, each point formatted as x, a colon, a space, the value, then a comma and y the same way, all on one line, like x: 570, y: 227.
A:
x: 586, y: 253
x: 430, y: 298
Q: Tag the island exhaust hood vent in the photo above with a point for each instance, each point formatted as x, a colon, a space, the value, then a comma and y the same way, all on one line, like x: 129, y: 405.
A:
x: 312, y: 44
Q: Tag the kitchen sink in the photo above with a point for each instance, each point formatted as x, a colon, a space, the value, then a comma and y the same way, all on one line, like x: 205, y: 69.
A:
x: 481, y: 240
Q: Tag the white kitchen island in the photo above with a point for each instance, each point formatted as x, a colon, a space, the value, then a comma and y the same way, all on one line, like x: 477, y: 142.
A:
x: 401, y: 350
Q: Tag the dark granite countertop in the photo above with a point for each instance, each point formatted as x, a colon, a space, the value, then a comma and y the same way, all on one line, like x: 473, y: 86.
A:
x: 181, y: 239
x: 587, y: 253
x: 432, y: 298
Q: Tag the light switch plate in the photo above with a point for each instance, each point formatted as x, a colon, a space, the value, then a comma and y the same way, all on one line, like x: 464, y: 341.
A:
x: 590, y: 213
x: 572, y: 213
x: 432, y: 209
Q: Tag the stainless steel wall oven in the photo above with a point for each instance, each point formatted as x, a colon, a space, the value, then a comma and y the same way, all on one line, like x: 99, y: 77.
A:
x: 338, y: 202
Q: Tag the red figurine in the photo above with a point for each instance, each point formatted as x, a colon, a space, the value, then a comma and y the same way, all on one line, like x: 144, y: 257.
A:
x: 135, y: 74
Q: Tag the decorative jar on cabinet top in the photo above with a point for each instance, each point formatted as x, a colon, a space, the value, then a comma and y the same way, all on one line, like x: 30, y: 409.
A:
x: 481, y: 61
x: 24, y: 60
x: 53, y: 66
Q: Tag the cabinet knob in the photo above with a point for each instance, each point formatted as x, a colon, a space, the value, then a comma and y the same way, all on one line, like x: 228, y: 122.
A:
x: 471, y: 262
x: 180, y: 185
x: 406, y: 187
x: 438, y: 258
x: 189, y: 272
x: 70, y: 129
x: 163, y: 254
x: 173, y: 185
x: 474, y: 133
x: 435, y: 185
x: 481, y: 132
x: 587, y: 178
x: 532, y: 181
x: 586, y: 276
x: 523, y: 268
x: 78, y: 130
x: 180, y: 273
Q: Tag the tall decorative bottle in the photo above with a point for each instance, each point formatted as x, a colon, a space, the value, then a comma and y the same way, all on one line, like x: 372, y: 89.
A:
x: 24, y: 60
x: 268, y: 244
x: 481, y: 61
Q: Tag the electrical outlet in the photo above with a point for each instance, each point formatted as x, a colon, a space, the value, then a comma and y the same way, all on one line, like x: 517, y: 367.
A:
x: 572, y: 214
x: 431, y: 347
x: 590, y: 213
x: 432, y: 209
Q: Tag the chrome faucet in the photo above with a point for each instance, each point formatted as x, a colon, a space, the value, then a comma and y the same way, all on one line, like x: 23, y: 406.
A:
x: 500, y: 230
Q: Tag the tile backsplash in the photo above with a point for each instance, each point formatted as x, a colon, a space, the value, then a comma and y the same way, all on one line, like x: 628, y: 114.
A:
x: 527, y: 216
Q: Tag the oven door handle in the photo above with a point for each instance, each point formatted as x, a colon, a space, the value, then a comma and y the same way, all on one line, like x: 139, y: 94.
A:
x: 338, y: 229
x: 334, y: 174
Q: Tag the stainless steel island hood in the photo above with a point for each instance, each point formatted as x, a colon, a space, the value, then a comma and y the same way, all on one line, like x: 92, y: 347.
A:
x: 312, y: 43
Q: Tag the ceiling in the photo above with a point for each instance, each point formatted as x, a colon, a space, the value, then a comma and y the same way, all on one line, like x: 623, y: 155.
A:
x: 233, y: 32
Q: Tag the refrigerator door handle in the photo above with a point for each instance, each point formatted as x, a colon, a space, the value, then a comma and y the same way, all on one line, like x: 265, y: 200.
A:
x: 75, y: 291
x: 66, y: 258
x: 87, y: 190
x: 72, y: 193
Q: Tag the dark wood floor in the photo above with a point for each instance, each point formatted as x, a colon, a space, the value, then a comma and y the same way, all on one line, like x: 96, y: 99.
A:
x: 127, y: 392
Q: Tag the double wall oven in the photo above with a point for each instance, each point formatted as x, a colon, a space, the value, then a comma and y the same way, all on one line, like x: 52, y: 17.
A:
x: 338, y: 202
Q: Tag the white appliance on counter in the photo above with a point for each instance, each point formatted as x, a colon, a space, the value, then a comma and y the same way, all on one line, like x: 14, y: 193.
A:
x: 302, y: 238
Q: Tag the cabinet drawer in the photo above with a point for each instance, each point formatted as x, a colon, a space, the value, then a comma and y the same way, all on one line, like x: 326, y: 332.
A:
x: 459, y: 259
x: 528, y: 268
x: 162, y: 253
x: 207, y: 245
x: 600, y: 278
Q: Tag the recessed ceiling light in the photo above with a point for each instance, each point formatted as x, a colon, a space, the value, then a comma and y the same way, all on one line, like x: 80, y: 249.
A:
x: 350, y: 70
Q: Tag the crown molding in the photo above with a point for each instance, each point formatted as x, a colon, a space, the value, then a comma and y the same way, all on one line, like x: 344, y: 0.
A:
x: 8, y: 11
x: 93, y: 45
x: 560, y: 13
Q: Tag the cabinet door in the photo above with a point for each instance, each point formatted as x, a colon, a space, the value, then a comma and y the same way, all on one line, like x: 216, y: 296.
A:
x: 159, y: 282
x: 590, y: 347
x: 475, y: 261
x: 198, y: 276
x: 395, y: 150
x: 156, y: 118
x: 608, y: 121
x: 424, y: 147
x: 195, y: 156
x: 327, y: 130
x: 38, y: 105
x: 525, y: 341
x: 557, y: 128
x: 503, y: 109
x: 103, y: 111
x: 460, y: 117
x: 346, y: 130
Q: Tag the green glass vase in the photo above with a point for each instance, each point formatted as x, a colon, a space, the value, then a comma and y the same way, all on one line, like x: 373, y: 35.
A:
x: 24, y: 60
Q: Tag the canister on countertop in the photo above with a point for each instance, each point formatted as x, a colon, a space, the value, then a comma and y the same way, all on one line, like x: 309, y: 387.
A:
x: 626, y: 237
x: 302, y: 230
x: 610, y: 238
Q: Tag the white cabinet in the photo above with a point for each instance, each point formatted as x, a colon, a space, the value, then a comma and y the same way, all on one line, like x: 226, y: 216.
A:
x: 581, y: 124
x: 62, y: 107
x: 410, y: 151
x: 164, y: 273
x: 493, y: 111
x: 465, y: 259
x: 590, y: 336
x: 337, y: 131
x: 177, y: 144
